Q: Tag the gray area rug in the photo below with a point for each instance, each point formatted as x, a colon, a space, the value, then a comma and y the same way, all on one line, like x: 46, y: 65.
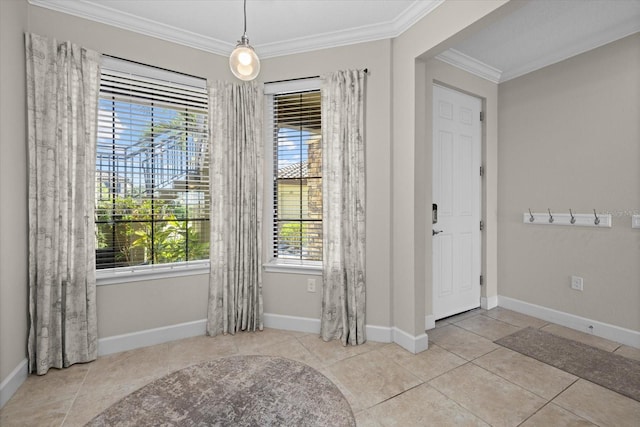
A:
x: 607, y: 369
x: 234, y: 391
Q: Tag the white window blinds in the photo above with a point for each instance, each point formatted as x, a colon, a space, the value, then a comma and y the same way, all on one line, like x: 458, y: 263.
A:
x: 295, y: 132
x: 152, y: 167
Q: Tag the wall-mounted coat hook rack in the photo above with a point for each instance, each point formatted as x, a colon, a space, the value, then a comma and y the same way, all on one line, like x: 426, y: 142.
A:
x: 569, y: 219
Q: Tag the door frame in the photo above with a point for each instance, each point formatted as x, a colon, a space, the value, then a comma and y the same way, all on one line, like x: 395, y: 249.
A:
x: 438, y: 73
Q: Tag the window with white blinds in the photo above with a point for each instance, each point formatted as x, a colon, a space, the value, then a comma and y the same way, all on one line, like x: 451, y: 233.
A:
x: 152, y: 167
x: 295, y: 131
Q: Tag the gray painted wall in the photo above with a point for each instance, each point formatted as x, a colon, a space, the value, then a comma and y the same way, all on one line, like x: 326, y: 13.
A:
x: 570, y: 138
x: 604, y: 176
x: 13, y: 187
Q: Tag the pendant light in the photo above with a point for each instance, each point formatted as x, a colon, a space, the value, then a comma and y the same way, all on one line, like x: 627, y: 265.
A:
x: 243, y: 61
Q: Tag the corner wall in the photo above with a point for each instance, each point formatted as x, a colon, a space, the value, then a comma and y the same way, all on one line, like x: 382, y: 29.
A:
x: 13, y: 195
x: 410, y: 214
x: 286, y: 294
x: 569, y: 139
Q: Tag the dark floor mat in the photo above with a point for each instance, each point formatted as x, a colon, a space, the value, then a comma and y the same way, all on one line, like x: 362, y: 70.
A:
x: 607, y: 369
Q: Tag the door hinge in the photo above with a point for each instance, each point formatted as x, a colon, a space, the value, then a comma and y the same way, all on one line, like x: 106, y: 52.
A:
x: 481, y: 170
x: 481, y: 280
x: 482, y: 116
x: 481, y: 225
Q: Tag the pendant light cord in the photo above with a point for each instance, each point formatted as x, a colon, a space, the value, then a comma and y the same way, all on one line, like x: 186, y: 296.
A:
x: 245, y: 17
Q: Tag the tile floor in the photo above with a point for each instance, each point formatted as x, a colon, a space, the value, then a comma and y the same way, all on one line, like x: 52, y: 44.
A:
x: 463, y: 379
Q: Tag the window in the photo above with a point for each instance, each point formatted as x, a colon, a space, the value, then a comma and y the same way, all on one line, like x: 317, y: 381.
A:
x: 152, y: 170
x: 295, y: 132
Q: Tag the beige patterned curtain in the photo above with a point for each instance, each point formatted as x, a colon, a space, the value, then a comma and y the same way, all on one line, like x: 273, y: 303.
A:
x: 235, y: 286
x: 343, y: 179
x: 63, y: 81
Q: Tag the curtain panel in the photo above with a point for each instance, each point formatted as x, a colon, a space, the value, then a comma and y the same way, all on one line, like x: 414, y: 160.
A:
x: 235, y: 286
x: 62, y: 100
x: 343, y: 179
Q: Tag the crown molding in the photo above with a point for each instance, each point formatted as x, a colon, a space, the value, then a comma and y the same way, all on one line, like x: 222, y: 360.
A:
x: 471, y: 65
x: 418, y: 10
x: 106, y: 15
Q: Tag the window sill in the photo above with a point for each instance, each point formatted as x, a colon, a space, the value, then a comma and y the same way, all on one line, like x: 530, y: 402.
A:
x: 314, y: 269
x: 150, y: 272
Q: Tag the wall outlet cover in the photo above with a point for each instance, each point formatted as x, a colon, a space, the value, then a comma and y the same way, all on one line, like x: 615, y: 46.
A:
x: 577, y: 283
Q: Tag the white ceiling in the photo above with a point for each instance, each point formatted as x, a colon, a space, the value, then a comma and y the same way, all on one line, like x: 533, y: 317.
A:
x: 543, y: 32
x: 538, y: 33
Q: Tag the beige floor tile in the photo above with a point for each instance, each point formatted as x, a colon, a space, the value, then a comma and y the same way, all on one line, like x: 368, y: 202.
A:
x: 515, y: 319
x: 46, y: 413
x: 599, y: 405
x: 487, y: 327
x: 582, y: 337
x: 252, y: 342
x: 57, y: 384
x: 91, y: 401
x: 365, y: 418
x: 463, y: 316
x: 530, y: 374
x: 44, y: 399
x: 294, y: 350
x: 461, y: 342
x: 370, y: 378
x: 420, y: 406
x: 441, y: 323
x: 190, y: 351
x: 552, y: 415
x: 488, y: 396
x: 132, y: 368
x: 425, y: 365
x: 630, y: 352
x: 333, y: 351
x: 382, y: 381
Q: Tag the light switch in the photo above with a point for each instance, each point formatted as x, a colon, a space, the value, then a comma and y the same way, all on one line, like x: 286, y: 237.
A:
x: 635, y: 221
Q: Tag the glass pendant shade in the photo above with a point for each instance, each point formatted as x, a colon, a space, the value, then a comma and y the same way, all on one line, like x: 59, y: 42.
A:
x: 243, y: 61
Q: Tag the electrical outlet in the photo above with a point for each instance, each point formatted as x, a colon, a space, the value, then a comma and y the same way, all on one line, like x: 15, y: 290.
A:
x: 576, y: 283
x: 311, y: 285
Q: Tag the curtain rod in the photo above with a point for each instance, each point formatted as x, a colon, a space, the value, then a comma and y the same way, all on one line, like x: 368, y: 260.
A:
x: 366, y: 71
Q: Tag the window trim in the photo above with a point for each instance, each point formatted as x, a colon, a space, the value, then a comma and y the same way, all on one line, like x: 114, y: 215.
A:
x: 114, y: 276
x: 134, y: 273
x: 271, y: 263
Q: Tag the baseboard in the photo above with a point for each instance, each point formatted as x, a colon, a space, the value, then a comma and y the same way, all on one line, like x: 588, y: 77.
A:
x: 148, y: 337
x: 413, y: 344
x: 12, y: 383
x: 161, y: 335
x: 429, y: 322
x: 489, y: 302
x: 600, y: 329
x: 374, y: 333
x: 379, y: 333
x: 291, y: 323
x: 312, y: 326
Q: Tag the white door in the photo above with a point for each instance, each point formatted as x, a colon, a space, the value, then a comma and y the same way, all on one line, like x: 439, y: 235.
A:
x: 457, y: 141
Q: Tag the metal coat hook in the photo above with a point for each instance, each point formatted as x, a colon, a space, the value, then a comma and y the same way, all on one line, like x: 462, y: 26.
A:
x: 531, y: 218
x: 550, y: 216
x: 573, y: 218
x: 597, y: 220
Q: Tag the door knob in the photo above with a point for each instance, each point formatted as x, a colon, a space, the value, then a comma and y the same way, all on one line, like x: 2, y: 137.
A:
x: 434, y: 232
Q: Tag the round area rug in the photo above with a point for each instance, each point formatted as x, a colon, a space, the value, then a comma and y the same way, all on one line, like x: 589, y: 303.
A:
x: 234, y: 391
